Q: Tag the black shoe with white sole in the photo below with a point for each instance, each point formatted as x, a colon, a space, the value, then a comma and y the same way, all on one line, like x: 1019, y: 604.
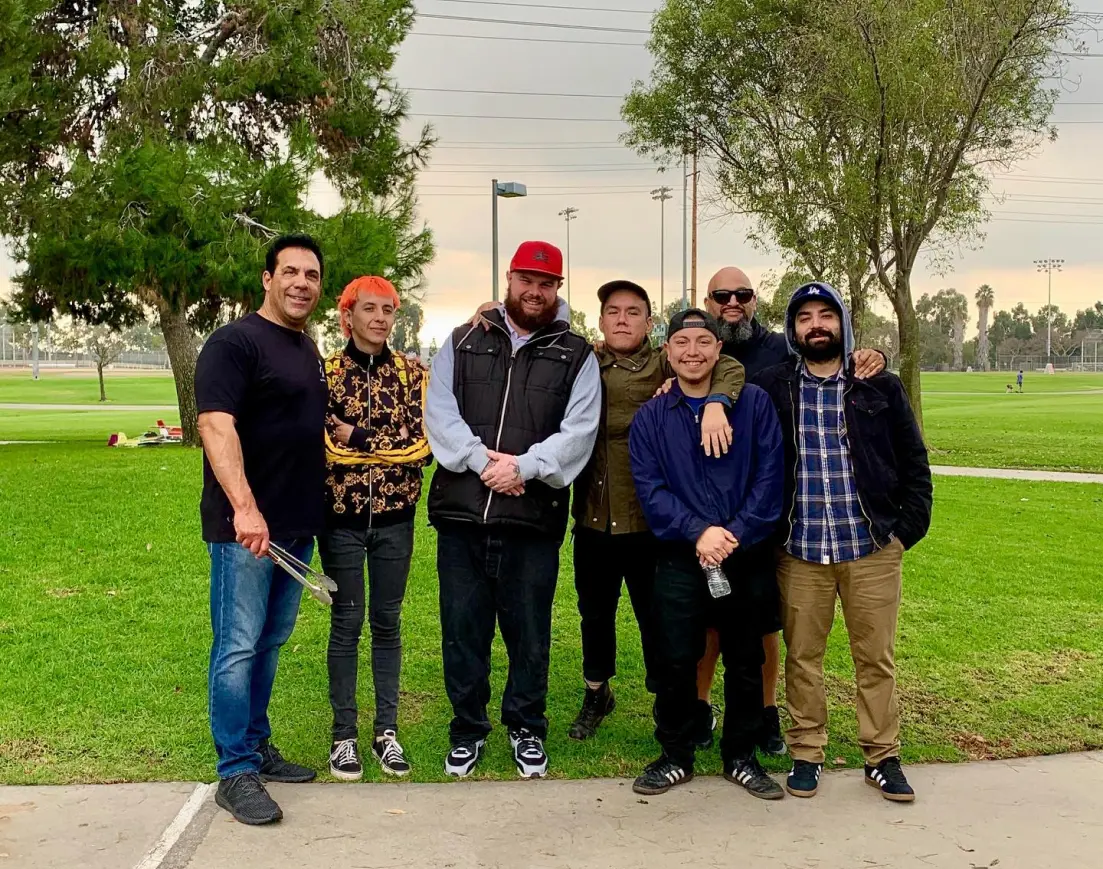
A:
x: 709, y: 723
x: 390, y: 755
x: 804, y: 778
x: 244, y: 797
x: 748, y: 773
x: 463, y: 757
x: 528, y: 754
x: 344, y: 760
x: 889, y: 778
x: 274, y: 768
x: 596, y: 704
x: 661, y: 775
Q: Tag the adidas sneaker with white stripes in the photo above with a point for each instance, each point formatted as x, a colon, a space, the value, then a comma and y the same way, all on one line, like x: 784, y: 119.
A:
x: 804, y: 778
x: 748, y: 773
x: 661, y: 775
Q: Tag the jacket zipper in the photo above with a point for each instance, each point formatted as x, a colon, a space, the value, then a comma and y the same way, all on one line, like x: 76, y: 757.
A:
x: 371, y: 509
x: 505, y: 402
x: 857, y: 492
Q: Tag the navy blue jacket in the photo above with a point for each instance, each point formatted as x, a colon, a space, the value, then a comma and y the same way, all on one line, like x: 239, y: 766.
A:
x: 683, y: 491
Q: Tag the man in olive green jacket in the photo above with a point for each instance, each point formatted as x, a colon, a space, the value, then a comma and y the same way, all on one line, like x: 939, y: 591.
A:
x: 612, y: 543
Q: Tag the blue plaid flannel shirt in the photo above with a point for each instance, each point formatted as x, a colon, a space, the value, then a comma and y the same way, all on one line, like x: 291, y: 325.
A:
x: 828, y: 523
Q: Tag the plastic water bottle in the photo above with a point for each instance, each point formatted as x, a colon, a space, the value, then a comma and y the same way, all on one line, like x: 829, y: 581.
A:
x: 718, y: 582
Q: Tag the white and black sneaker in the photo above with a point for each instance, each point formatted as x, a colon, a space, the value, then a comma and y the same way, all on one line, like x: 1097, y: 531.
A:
x: 528, y: 754
x: 463, y: 757
x: 390, y: 755
x: 661, y: 775
x: 344, y: 760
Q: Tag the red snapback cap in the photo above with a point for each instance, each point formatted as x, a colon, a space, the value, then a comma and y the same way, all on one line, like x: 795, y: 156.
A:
x: 539, y: 257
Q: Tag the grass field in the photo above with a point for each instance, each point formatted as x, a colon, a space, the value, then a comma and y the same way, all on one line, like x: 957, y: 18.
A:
x: 104, y: 631
x: 1057, y: 424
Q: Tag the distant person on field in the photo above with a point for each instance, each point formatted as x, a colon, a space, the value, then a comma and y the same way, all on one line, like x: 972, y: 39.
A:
x: 858, y: 493
x: 261, y: 393
x: 376, y: 448
x: 733, y: 301
x: 1019, y: 380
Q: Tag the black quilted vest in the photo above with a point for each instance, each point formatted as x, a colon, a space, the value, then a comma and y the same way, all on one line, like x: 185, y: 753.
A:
x: 511, y: 402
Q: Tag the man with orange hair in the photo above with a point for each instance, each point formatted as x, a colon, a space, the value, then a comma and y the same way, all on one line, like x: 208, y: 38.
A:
x: 375, y: 450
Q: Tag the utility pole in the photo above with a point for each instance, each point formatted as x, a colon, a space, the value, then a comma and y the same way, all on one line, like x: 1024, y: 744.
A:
x: 569, y: 214
x: 693, y: 258
x: 685, y: 217
x: 661, y: 195
x: 1049, y: 266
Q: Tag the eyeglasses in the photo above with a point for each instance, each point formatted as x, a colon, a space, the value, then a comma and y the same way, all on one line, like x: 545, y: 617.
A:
x: 742, y: 295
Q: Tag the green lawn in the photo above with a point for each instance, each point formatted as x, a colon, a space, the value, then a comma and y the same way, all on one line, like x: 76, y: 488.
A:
x: 104, y: 633
x: 69, y: 387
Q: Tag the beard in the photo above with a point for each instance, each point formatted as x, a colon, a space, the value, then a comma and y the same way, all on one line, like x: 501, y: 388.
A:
x: 833, y: 349
x: 736, y: 333
x: 527, y: 321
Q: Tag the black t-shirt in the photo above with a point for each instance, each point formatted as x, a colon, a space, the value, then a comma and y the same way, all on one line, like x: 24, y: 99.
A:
x: 272, y: 381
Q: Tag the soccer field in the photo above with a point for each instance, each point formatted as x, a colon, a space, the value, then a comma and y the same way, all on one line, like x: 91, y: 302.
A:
x: 104, y: 630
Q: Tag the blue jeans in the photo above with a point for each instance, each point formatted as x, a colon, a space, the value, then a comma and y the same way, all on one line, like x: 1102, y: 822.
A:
x: 253, y: 610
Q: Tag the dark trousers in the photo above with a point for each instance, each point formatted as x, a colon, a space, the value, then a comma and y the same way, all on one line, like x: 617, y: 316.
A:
x: 602, y: 562
x: 489, y: 574
x: 683, y: 610
x: 388, y: 551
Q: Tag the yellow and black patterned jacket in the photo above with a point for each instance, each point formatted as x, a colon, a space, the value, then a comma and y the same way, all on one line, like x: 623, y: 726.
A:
x: 375, y: 480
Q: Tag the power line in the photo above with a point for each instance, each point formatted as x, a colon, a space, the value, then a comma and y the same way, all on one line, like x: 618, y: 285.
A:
x: 484, y: 146
x: 517, y: 118
x: 531, y: 171
x: 528, y: 39
x: 515, y: 93
x: 523, y: 166
x: 552, y: 24
x: 548, y: 6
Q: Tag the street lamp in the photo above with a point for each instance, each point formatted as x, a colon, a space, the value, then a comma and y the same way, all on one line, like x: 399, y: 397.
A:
x: 661, y: 195
x: 507, y: 190
x: 1049, y: 266
x: 569, y: 214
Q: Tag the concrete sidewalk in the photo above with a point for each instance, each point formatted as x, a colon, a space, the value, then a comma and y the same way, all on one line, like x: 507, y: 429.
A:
x: 1018, y: 474
x: 1022, y: 814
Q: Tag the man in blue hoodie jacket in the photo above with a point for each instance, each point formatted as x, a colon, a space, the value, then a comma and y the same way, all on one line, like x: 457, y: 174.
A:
x: 857, y: 494
x: 716, y: 511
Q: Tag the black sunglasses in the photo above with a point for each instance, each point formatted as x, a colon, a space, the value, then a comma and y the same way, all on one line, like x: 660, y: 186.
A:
x: 742, y: 295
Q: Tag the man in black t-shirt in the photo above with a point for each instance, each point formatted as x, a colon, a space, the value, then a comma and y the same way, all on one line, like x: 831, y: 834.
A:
x: 261, y: 393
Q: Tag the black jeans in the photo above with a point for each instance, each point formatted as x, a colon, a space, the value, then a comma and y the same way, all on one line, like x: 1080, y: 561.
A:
x: 507, y: 575
x: 388, y: 551
x: 683, y: 610
x: 601, y: 562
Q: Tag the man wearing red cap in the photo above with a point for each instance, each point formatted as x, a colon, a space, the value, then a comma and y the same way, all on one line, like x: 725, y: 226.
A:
x: 375, y: 451
x: 512, y: 414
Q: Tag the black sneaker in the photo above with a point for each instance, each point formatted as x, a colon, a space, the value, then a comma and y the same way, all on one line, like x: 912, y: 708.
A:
x: 528, y: 754
x: 595, y: 706
x: 344, y: 760
x: 661, y: 775
x: 748, y: 773
x: 804, y: 778
x: 244, y: 797
x: 705, y: 740
x: 390, y: 755
x: 463, y: 757
x: 771, y: 741
x: 889, y: 777
x: 274, y: 768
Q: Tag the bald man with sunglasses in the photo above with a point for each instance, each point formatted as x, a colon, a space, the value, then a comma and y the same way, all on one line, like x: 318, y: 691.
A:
x: 733, y: 301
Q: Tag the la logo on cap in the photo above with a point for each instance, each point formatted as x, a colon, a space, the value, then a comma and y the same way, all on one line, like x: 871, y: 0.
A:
x: 540, y: 256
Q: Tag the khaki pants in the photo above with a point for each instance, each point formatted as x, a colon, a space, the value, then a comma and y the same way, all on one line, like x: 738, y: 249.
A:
x: 870, y: 592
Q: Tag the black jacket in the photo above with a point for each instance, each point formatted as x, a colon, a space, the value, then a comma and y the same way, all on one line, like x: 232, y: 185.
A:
x: 510, y: 402
x: 889, y: 457
x: 764, y: 349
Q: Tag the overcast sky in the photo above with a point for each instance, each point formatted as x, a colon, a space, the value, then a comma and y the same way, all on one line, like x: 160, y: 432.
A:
x: 1053, y: 209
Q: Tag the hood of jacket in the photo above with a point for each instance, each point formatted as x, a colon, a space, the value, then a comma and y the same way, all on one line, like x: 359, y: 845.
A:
x: 812, y: 290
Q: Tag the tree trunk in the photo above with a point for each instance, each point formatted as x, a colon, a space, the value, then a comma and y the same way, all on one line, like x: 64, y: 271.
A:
x: 180, y: 345
x: 910, y: 349
x: 99, y: 370
x: 857, y: 293
x: 959, y: 341
x: 982, y: 340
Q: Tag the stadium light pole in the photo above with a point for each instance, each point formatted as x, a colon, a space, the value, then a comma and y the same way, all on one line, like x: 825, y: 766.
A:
x: 661, y: 195
x: 568, y: 214
x: 507, y: 190
x: 1049, y: 266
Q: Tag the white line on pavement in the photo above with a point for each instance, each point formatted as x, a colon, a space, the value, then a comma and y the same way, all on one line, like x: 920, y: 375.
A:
x: 156, y: 855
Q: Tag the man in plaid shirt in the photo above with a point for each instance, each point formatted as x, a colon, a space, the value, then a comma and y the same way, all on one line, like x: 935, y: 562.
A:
x: 858, y: 493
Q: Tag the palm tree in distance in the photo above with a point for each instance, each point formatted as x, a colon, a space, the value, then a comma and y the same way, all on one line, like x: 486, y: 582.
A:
x: 986, y: 298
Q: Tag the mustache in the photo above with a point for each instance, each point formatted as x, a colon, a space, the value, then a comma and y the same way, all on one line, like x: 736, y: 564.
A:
x: 818, y: 333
